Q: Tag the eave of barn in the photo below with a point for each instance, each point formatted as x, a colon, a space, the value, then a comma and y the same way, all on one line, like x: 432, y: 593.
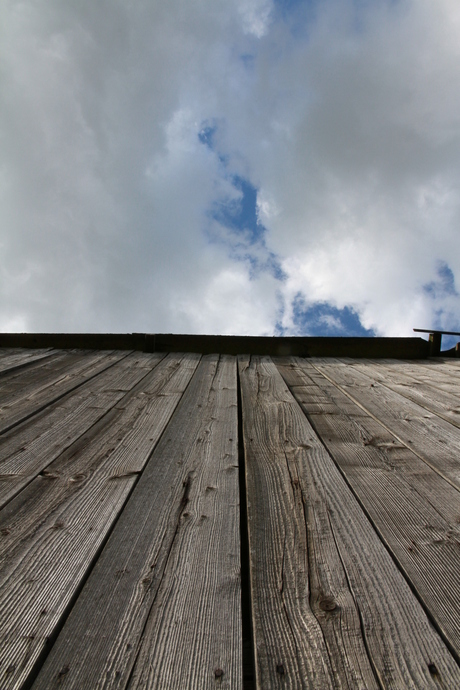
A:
x: 174, y: 519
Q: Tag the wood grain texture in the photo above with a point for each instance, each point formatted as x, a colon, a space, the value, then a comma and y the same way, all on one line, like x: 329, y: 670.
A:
x: 28, y: 449
x: 422, y: 390
x: 414, y: 510
x: 296, y: 573
x: 433, y: 439
x: 441, y: 374
x: 24, y: 393
x: 12, y: 359
x: 162, y: 606
x: 53, y: 530
x: 288, y: 470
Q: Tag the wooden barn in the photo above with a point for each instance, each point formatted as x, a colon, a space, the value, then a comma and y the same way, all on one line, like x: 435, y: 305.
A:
x: 220, y: 512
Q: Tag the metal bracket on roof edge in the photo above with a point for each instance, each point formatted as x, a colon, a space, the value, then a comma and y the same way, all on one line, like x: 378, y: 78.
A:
x: 434, y: 341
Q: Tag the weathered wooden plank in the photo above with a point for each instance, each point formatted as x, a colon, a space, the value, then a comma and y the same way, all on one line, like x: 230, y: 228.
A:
x: 329, y: 560
x: 296, y: 574
x: 53, y: 530
x: 415, y: 511
x: 433, y: 439
x: 25, y: 393
x: 441, y: 374
x: 27, y: 450
x: 11, y: 359
x: 165, y: 592
x: 423, y: 390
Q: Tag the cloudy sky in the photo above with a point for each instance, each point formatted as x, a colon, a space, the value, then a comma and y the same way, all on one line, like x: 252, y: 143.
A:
x: 230, y: 166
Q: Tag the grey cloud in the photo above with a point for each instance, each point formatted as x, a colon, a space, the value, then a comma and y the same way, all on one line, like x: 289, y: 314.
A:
x: 350, y: 130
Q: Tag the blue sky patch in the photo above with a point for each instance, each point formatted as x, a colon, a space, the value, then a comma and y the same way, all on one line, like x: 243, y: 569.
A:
x: 299, y: 15
x: 245, y: 239
x: 322, y: 319
x: 248, y: 60
x: 445, y: 283
x: 206, y: 135
x: 241, y: 214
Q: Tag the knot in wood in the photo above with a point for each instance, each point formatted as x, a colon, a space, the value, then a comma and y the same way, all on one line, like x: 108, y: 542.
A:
x: 432, y: 669
x: 327, y: 604
x: 64, y: 670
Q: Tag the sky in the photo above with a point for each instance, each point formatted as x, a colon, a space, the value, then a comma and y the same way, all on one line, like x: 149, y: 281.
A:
x: 260, y: 167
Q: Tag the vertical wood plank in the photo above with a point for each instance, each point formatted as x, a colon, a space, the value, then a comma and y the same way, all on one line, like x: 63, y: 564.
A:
x: 12, y: 359
x: 433, y: 439
x: 28, y: 449
x: 415, y: 511
x: 25, y: 393
x: 356, y: 586
x: 296, y: 575
x: 54, y: 529
x: 422, y: 391
x: 162, y: 606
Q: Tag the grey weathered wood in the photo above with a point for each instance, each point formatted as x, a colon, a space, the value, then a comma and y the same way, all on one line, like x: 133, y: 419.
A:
x: 432, y: 438
x: 288, y: 471
x: 12, y: 359
x: 296, y: 573
x: 27, y: 450
x: 24, y: 393
x: 165, y: 593
x: 53, y: 530
x: 440, y: 374
x: 415, y: 511
x: 421, y: 390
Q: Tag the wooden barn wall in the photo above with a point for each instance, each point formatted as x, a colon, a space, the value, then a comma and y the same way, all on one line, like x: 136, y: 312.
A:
x: 183, y: 520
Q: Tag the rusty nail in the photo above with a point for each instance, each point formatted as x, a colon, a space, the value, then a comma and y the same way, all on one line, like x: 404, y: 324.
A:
x: 218, y: 673
x: 280, y: 669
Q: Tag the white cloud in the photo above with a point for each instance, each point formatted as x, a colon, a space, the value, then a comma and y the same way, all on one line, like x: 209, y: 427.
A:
x: 255, y: 15
x: 350, y: 130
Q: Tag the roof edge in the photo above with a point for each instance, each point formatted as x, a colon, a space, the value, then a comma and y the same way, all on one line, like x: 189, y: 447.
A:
x: 357, y: 347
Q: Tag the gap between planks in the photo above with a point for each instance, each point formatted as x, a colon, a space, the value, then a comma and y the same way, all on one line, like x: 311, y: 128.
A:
x: 162, y: 606
x: 434, y: 440
x: 330, y: 607
x: 28, y: 449
x: 54, y: 529
x: 414, y: 510
x: 24, y: 394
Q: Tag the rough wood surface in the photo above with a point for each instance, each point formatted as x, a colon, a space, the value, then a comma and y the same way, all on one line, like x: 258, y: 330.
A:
x: 12, y: 359
x: 432, y: 438
x: 52, y: 531
x: 439, y: 374
x: 28, y: 449
x: 423, y: 390
x: 162, y: 606
x: 337, y: 565
x: 24, y: 393
x: 415, y: 511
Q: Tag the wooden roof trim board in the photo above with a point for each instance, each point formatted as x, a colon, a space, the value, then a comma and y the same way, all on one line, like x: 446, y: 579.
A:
x: 400, y: 348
